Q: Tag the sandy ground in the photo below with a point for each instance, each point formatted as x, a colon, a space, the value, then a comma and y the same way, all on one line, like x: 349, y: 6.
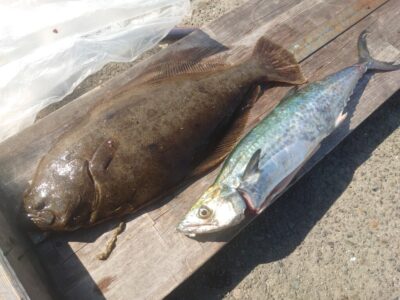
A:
x: 334, y: 235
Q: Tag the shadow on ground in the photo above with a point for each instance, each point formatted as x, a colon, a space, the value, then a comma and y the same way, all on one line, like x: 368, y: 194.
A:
x: 282, y: 227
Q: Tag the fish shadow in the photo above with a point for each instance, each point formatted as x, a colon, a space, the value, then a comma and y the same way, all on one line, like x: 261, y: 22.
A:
x: 278, y: 231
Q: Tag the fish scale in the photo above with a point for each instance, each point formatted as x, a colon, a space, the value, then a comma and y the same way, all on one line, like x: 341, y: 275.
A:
x: 266, y: 160
x: 303, y: 118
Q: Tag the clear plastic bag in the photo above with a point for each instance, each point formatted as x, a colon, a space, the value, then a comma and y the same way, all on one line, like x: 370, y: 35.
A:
x: 47, y: 47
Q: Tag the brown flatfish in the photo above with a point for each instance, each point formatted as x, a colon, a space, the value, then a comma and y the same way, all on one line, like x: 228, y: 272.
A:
x: 144, y: 142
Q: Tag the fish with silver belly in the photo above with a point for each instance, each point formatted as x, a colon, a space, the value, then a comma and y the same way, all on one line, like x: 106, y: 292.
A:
x: 269, y: 156
x: 140, y: 143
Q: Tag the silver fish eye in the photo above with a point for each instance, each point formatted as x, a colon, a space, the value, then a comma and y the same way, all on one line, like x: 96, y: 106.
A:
x: 204, y: 212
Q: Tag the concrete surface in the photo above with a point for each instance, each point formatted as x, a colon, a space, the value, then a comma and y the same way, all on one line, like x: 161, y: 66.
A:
x: 334, y: 235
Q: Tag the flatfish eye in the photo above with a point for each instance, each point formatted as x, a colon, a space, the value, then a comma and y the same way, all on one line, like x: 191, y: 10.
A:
x: 204, y: 212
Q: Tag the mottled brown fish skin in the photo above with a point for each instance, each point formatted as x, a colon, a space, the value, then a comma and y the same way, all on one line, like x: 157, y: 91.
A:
x: 134, y: 148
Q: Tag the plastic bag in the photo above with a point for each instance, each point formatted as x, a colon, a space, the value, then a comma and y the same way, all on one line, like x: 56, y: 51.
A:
x: 47, y: 47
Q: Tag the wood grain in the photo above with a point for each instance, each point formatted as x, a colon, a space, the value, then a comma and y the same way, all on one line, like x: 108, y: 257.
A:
x: 10, y: 288
x: 20, y: 272
x: 151, y: 257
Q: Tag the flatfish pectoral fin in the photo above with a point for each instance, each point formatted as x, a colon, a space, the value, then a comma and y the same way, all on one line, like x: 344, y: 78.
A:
x: 98, y: 166
x: 102, y: 158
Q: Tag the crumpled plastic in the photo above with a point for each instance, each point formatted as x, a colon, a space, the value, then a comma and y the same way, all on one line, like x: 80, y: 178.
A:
x: 47, y: 47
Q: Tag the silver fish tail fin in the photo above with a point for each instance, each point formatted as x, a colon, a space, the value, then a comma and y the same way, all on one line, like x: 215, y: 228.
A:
x: 278, y: 63
x: 365, y: 56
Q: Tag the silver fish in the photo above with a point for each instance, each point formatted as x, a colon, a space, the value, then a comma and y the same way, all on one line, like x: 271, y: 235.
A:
x: 269, y: 156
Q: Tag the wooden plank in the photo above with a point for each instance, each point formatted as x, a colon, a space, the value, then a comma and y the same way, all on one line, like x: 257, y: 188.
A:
x: 21, y: 276
x: 152, y: 258
x: 10, y: 287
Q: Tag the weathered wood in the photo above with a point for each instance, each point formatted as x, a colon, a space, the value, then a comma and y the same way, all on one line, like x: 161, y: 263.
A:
x: 10, y: 287
x: 20, y: 272
x: 151, y: 257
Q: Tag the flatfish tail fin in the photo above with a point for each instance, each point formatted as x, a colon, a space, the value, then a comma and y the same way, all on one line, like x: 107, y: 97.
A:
x: 278, y: 63
x: 365, y: 56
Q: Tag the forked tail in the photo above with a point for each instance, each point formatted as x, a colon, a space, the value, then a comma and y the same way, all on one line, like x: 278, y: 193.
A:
x: 365, y: 57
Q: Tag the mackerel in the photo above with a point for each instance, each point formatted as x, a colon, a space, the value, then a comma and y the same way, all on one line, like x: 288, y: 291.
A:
x: 266, y: 160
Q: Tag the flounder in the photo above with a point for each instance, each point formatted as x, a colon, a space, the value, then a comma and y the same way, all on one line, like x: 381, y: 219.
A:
x: 133, y: 149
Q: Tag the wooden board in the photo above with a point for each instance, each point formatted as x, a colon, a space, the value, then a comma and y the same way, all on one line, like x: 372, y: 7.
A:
x: 10, y: 287
x: 20, y: 271
x: 151, y: 257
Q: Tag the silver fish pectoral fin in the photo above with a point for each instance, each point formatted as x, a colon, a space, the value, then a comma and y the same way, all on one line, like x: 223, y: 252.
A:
x: 252, y: 167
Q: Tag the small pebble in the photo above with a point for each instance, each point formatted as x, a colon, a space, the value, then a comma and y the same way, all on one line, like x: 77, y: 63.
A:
x: 237, y: 293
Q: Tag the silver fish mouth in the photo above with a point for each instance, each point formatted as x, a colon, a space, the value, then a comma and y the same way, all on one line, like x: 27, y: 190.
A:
x: 42, y: 217
x: 195, y: 229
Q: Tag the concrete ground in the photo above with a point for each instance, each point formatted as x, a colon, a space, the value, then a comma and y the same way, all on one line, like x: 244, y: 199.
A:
x: 334, y: 235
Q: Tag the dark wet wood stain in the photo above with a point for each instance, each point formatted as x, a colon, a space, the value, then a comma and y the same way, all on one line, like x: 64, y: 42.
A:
x: 105, y: 283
